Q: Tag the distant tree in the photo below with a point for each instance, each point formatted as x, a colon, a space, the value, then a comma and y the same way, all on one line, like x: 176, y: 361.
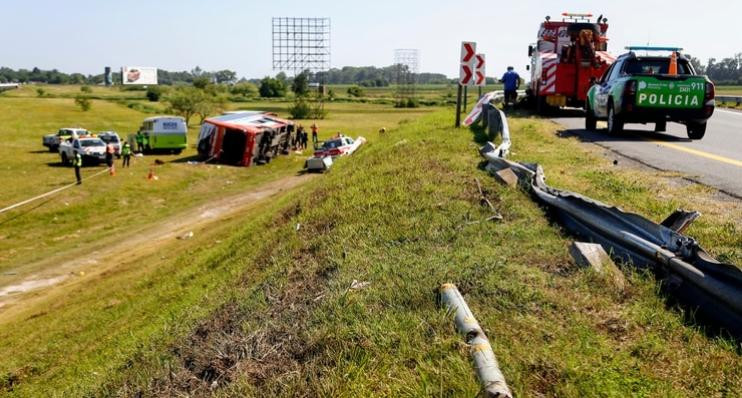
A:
x: 201, y: 81
x: 300, y: 85
x: 225, y: 76
x: 83, y: 102
x: 185, y: 101
x: 40, y: 92
x: 86, y: 89
x: 188, y: 101
x: 210, y: 105
x: 272, y: 88
x: 282, y: 77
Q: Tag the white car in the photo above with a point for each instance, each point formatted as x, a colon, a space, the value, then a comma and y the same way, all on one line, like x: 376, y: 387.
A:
x: 92, y: 150
x: 330, y: 149
x: 111, y: 138
x: 52, y: 141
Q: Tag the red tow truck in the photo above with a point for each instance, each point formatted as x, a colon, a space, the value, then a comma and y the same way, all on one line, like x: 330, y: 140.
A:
x: 568, y: 56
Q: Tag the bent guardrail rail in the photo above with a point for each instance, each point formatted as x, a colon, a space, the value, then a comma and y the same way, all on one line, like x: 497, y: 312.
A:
x: 485, y: 363
x: 686, y: 269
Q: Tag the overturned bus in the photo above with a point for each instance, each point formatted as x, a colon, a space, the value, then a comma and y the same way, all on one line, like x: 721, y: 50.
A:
x: 243, y: 138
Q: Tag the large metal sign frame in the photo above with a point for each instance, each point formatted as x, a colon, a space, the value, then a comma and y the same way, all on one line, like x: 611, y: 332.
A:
x: 301, y: 44
x: 406, y: 69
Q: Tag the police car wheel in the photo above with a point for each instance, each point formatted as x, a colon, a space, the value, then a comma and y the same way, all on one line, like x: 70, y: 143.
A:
x: 614, y: 125
x: 591, y: 122
x: 660, y: 126
x: 696, y: 131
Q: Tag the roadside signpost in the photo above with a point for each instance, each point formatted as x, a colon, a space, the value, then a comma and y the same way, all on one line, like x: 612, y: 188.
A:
x: 467, y: 74
x: 480, y: 76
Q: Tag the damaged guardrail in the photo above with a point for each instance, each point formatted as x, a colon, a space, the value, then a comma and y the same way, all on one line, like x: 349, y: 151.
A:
x: 686, y: 270
x: 488, y: 371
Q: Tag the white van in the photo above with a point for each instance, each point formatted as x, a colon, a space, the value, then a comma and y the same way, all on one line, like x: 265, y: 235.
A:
x: 163, y: 133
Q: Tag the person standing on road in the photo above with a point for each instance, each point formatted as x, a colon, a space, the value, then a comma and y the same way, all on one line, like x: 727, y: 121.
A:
x: 140, y: 141
x: 126, y: 154
x: 511, y: 81
x: 304, y: 139
x: 77, y: 162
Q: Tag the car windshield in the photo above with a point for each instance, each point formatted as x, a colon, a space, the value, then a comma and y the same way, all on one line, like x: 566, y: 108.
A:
x: 109, y: 139
x: 333, y: 144
x: 87, y: 143
x: 656, y: 66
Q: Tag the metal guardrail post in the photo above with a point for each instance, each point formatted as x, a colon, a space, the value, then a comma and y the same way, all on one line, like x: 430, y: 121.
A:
x: 485, y: 363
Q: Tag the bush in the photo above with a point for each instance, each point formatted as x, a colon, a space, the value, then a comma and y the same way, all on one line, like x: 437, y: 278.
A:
x: 245, y: 89
x: 407, y: 103
x: 154, y: 93
x: 355, y: 91
x: 40, y: 92
x: 272, y: 88
x: 83, y: 102
x: 86, y: 89
x: 300, y: 109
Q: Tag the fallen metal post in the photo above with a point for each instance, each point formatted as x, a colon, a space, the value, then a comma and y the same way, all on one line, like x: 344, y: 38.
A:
x: 485, y: 363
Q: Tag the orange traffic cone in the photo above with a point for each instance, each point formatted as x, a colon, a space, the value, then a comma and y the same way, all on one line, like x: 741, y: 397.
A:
x: 673, y: 69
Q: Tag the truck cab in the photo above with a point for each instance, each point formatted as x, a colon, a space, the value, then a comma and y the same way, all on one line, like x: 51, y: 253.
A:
x: 52, y: 141
x: 651, y: 89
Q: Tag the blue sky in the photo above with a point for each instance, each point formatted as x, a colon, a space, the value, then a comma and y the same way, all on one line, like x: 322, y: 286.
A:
x: 84, y: 36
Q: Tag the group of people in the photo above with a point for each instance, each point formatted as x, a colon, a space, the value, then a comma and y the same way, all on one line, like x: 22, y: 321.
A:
x: 300, y: 140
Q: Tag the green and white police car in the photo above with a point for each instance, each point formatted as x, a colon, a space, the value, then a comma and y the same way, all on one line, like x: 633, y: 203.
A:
x: 641, y: 89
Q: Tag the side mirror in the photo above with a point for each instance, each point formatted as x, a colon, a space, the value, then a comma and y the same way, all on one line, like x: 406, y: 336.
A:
x: 530, y: 51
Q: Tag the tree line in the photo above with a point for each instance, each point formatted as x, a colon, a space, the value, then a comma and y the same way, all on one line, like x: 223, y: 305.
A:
x: 366, y: 76
x: 727, y: 71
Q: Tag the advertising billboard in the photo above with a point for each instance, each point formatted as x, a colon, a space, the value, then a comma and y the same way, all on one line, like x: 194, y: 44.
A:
x: 138, y: 75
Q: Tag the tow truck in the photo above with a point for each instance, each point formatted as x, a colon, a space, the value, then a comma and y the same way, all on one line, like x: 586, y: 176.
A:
x: 566, y: 57
x: 651, y: 89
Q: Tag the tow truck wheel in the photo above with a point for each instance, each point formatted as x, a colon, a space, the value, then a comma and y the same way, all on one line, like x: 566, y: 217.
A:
x: 614, y: 124
x: 696, y: 131
x: 660, y: 126
x: 591, y: 122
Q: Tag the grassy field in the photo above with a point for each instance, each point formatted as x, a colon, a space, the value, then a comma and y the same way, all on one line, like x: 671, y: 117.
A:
x: 85, y: 219
x: 260, y: 303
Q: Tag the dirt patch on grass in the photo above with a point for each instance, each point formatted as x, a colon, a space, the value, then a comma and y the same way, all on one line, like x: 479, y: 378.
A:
x: 253, y: 344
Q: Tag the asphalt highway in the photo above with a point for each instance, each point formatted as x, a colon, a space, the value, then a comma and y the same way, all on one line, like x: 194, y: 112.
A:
x: 715, y: 160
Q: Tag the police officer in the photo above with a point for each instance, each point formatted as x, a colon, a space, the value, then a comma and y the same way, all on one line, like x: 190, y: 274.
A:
x: 126, y: 154
x: 511, y: 80
x: 77, y: 162
x: 140, y: 141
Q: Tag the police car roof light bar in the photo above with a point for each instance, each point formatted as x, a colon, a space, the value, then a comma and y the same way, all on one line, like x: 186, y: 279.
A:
x: 652, y: 48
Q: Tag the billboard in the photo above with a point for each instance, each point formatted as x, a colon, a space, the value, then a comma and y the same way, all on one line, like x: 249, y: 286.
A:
x: 138, y: 75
